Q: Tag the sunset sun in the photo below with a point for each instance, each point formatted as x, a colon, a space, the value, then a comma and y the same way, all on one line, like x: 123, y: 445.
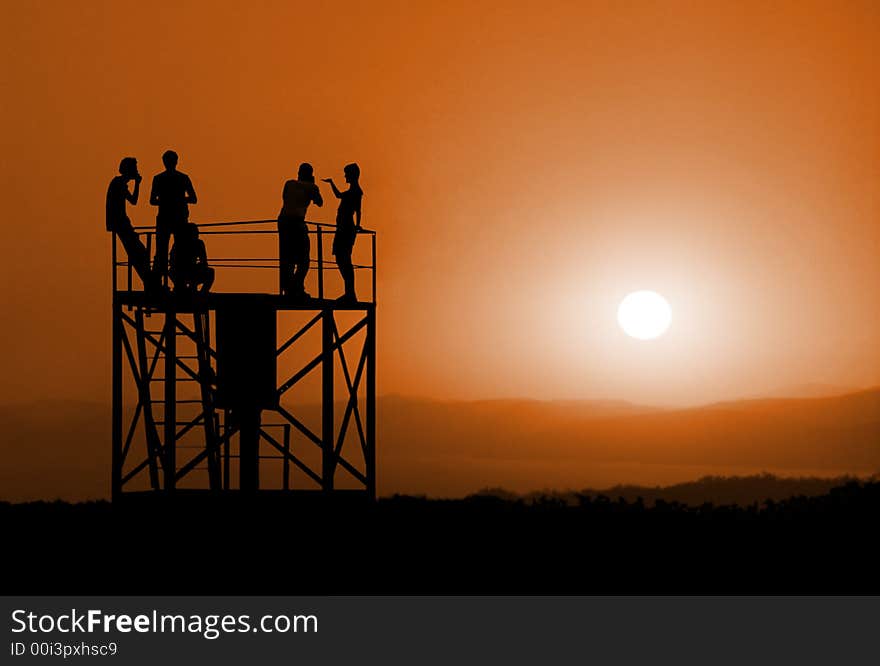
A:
x: 644, y: 315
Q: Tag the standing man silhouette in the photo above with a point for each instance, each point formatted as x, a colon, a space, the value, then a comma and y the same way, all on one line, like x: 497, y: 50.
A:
x: 172, y: 192
x: 119, y: 223
x: 293, y: 234
x: 348, y: 223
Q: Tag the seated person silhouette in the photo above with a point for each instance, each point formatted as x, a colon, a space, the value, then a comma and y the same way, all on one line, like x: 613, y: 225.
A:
x: 190, y: 271
x: 172, y: 192
x: 294, y: 248
x: 119, y: 223
x: 346, y: 227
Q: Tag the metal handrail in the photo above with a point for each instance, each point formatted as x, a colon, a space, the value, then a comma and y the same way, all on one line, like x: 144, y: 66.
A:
x: 201, y: 225
x: 319, y: 229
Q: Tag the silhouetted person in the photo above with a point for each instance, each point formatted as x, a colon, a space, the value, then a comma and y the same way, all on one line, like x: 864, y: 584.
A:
x: 189, y: 261
x: 119, y: 223
x: 348, y: 223
x: 172, y: 192
x: 293, y: 235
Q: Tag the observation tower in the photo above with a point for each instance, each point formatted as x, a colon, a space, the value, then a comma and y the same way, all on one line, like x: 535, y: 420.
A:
x: 244, y: 390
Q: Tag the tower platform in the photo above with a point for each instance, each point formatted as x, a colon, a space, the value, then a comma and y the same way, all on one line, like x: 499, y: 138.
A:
x: 244, y: 392
x: 219, y: 300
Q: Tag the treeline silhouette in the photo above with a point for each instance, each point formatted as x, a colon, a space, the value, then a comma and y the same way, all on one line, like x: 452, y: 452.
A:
x: 713, y: 489
x: 410, y: 545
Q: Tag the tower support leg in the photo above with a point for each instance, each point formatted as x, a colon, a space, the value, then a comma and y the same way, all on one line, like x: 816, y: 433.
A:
x: 202, y: 330
x: 116, y: 390
x: 370, y: 449
x: 154, y: 446
x: 328, y: 456
x: 170, y: 446
x: 249, y: 449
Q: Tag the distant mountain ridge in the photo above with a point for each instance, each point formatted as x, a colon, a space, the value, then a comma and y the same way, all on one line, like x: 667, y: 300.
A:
x: 809, y: 390
x: 61, y: 449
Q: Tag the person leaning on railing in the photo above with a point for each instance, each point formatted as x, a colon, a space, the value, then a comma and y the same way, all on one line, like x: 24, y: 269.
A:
x: 119, y: 223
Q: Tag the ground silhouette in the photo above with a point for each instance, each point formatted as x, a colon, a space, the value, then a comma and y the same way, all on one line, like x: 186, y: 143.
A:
x: 410, y: 545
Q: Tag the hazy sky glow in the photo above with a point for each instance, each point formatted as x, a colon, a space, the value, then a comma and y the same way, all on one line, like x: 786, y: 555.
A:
x: 525, y: 164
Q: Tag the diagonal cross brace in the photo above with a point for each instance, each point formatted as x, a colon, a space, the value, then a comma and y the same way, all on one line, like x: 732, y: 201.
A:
x: 315, y: 362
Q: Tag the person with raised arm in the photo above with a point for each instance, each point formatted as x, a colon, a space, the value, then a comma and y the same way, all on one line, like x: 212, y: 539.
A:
x: 118, y: 222
x: 348, y: 223
x: 294, y: 248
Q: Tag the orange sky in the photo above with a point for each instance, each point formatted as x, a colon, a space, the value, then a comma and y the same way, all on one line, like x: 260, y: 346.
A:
x: 525, y: 164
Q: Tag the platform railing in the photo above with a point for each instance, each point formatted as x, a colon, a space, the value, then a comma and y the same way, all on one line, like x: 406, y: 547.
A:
x: 316, y: 230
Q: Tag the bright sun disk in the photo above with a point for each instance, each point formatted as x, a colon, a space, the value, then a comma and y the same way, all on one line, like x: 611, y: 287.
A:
x: 644, y: 315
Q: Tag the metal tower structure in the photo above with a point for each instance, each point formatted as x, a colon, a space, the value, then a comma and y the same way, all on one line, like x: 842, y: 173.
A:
x: 244, y: 390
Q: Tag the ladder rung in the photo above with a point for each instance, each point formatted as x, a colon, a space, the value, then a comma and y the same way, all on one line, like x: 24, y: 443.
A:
x: 179, y: 401
x: 177, y: 379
